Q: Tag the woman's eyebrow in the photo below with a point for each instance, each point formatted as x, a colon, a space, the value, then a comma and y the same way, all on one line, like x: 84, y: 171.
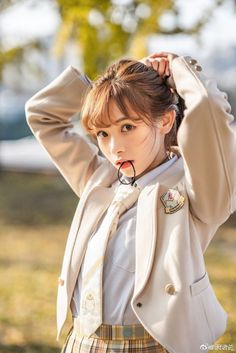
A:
x: 134, y: 118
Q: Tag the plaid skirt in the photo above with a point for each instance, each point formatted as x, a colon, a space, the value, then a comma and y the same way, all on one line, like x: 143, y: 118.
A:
x: 112, y: 339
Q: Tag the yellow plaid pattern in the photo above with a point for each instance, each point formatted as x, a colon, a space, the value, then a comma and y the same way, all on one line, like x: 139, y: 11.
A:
x: 112, y: 338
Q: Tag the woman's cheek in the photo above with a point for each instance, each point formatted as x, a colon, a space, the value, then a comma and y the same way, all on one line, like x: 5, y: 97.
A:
x: 144, y: 140
x: 103, y: 148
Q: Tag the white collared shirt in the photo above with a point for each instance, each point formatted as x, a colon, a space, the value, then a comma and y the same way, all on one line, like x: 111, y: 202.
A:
x: 119, y: 262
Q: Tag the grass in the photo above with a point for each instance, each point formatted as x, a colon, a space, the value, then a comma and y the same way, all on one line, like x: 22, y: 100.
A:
x: 221, y: 264
x: 35, y: 215
x: 35, y: 200
x: 30, y: 264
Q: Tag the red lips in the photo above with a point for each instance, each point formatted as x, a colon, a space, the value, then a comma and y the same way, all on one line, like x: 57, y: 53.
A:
x: 118, y: 162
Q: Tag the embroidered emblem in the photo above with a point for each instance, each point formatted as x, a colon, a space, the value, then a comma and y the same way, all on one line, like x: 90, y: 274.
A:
x: 89, y: 302
x: 172, y: 201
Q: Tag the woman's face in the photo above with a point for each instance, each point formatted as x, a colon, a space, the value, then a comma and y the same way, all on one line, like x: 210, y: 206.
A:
x: 131, y: 140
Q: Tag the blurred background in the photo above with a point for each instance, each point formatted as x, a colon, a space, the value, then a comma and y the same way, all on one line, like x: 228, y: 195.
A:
x: 39, y: 39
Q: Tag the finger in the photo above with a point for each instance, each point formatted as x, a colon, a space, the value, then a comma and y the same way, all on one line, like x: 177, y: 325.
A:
x: 169, y: 56
x: 159, y: 54
x: 148, y: 63
x: 155, y: 65
x: 145, y: 61
x: 167, y: 71
x: 162, y: 67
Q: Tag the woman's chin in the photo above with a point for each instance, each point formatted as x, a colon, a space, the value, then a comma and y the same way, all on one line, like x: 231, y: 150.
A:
x: 130, y: 173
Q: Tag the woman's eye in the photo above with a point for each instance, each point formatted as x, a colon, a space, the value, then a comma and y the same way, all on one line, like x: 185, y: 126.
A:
x: 127, y: 127
x: 101, y: 134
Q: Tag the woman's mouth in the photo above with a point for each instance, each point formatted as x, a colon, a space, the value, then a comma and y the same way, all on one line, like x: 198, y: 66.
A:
x: 125, y: 164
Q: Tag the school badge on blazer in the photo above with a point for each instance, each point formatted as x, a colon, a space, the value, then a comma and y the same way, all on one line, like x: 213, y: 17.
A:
x: 172, y: 200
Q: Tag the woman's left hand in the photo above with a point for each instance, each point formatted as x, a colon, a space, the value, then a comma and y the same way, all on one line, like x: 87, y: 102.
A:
x: 160, y: 62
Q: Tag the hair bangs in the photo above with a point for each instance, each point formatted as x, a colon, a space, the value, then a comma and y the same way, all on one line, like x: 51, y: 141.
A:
x: 95, y: 111
x: 131, y: 103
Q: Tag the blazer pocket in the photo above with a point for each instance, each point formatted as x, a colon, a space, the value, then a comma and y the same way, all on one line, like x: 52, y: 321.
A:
x: 206, y: 300
x: 200, y: 285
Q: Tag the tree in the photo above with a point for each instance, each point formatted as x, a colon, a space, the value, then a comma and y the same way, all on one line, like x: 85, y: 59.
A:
x: 107, y: 29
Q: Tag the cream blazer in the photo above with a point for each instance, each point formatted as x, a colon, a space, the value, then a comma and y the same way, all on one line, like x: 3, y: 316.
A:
x: 173, y: 297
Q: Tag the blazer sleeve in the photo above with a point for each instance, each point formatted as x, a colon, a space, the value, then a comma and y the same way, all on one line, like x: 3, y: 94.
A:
x: 48, y: 115
x: 207, y: 143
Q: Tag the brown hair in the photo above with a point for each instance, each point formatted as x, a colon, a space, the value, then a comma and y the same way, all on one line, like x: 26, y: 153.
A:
x: 131, y: 83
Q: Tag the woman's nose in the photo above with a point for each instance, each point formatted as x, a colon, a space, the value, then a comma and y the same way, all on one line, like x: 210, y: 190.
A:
x: 116, y: 146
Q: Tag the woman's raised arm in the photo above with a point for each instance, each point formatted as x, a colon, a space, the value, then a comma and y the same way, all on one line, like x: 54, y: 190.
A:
x: 207, y: 143
x: 206, y: 140
x: 48, y: 115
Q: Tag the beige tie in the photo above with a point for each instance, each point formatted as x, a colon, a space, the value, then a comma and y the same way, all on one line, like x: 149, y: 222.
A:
x: 90, y: 316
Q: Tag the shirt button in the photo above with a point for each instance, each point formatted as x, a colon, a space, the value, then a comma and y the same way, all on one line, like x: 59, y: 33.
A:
x: 139, y: 304
x: 170, y: 289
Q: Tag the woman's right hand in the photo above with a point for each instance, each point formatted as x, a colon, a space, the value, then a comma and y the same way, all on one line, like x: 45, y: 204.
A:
x: 160, y: 62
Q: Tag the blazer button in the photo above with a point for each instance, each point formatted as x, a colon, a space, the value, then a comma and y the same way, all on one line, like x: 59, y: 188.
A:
x: 61, y: 281
x: 192, y: 61
x: 198, y: 67
x: 170, y: 289
x: 139, y: 304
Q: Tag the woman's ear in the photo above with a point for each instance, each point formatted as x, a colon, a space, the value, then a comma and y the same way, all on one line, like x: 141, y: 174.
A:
x: 166, y: 122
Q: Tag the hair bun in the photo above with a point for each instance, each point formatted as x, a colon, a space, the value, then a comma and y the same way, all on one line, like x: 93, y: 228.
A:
x: 176, y: 98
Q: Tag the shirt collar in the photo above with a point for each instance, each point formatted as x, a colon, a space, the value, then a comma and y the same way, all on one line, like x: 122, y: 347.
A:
x: 149, y: 176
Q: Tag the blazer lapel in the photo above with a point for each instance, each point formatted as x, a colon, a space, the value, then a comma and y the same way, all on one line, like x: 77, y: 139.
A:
x: 146, y: 226
x: 96, y: 204
x: 145, y: 236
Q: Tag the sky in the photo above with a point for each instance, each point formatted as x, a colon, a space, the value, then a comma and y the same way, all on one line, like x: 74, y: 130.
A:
x: 217, y: 33
x: 23, y: 22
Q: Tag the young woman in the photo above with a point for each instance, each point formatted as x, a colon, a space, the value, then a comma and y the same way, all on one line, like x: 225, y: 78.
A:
x: 133, y: 272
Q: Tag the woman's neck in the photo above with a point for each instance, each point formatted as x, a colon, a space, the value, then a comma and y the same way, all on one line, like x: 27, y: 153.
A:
x: 165, y: 159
